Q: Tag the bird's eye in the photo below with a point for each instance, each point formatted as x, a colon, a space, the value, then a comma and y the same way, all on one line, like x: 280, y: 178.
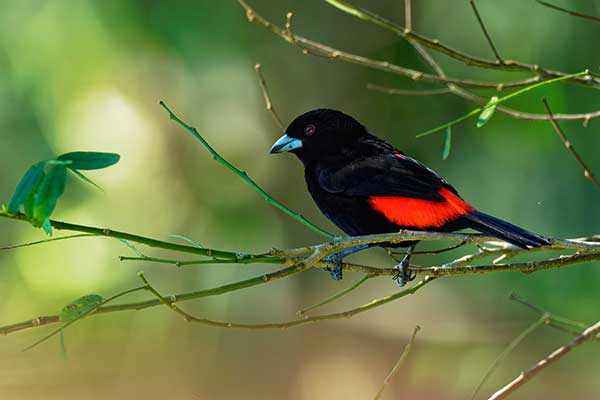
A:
x: 309, y: 130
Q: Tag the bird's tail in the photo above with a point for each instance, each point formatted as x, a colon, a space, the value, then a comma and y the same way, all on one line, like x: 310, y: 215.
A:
x: 503, y: 230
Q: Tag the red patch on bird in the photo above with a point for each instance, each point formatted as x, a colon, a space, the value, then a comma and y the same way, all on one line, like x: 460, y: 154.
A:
x: 398, y: 155
x: 419, y: 213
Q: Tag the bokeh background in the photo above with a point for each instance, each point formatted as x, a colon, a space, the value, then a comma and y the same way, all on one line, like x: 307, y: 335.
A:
x: 88, y: 75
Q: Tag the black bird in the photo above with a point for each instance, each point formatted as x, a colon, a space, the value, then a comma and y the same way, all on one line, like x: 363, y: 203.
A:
x: 365, y: 185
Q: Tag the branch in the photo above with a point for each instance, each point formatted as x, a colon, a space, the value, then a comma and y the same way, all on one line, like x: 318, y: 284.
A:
x: 573, y: 13
x: 315, y: 48
x: 496, y: 101
x: 586, y: 170
x: 318, y: 49
x: 304, y: 258
x: 267, y: 97
x: 436, y: 45
x: 400, y: 361
x: 288, y: 324
x: 556, y: 355
x: 217, y: 157
x: 563, y: 324
x: 485, y: 32
x: 336, y: 296
x: 140, y: 305
x: 402, y: 92
x: 60, y: 225
x: 574, y: 328
x: 511, y: 346
x: 408, y: 14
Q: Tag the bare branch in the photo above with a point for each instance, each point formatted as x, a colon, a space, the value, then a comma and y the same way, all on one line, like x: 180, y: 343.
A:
x: 267, y: 97
x: 511, y: 346
x: 556, y: 355
x: 573, y: 13
x: 336, y: 296
x: 586, y: 170
x: 436, y: 45
x: 318, y: 49
x: 563, y: 324
x: 408, y: 14
x: 400, y: 361
x: 402, y: 92
x: 54, y: 239
x: 311, y: 256
x: 288, y: 324
x: 485, y: 32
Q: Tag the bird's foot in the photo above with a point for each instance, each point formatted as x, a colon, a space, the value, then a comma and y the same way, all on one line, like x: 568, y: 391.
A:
x: 337, y: 271
x: 336, y: 259
x: 403, y: 275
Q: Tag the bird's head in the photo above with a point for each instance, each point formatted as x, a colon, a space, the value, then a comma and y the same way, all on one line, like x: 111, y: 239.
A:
x: 319, y: 133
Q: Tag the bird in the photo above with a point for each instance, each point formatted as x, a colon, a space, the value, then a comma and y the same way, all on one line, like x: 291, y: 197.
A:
x: 364, y: 185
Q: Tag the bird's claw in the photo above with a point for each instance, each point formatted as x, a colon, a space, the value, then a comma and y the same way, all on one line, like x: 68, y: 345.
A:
x: 337, y: 272
x: 403, y: 275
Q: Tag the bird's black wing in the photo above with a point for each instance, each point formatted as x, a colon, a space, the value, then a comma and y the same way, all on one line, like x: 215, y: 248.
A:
x: 390, y: 174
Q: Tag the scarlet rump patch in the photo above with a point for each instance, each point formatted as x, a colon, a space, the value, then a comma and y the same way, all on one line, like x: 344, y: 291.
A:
x: 411, y: 212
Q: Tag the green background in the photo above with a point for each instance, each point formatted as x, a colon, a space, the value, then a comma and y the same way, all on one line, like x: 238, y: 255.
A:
x: 88, y: 75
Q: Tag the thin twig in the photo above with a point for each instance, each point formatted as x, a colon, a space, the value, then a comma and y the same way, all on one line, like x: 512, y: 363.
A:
x: 287, y: 324
x: 429, y: 92
x: 83, y: 315
x: 497, y: 101
x: 511, y: 346
x: 245, y: 176
x: 556, y: 355
x: 433, y: 271
x: 436, y: 45
x: 408, y: 14
x: 60, y: 225
x: 555, y: 321
x: 303, y: 258
x: 570, y: 12
x: 485, y: 32
x: 54, y: 239
x: 400, y: 361
x: 268, y: 103
x: 335, y: 296
x: 561, y: 134
x: 318, y: 49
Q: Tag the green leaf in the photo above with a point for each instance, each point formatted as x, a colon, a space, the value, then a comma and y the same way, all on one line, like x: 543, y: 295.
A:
x: 26, y: 186
x: 49, y: 191
x: 87, y: 160
x: 80, y: 307
x: 447, y: 143
x: 487, y: 112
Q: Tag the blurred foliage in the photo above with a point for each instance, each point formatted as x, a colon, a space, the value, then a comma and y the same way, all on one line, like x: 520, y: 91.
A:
x: 87, y: 75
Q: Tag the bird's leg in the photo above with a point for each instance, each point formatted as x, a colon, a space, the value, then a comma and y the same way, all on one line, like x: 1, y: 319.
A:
x: 403, y: 275
x: 336, y: 259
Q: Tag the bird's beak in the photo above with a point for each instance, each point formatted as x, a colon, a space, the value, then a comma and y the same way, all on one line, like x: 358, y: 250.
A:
x: 285, y: 143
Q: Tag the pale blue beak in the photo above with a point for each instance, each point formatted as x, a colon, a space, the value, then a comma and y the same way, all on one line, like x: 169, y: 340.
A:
x: 285, y: 143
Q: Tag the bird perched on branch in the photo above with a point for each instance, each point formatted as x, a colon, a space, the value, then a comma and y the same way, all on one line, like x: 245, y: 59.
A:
x: 365, y: 186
